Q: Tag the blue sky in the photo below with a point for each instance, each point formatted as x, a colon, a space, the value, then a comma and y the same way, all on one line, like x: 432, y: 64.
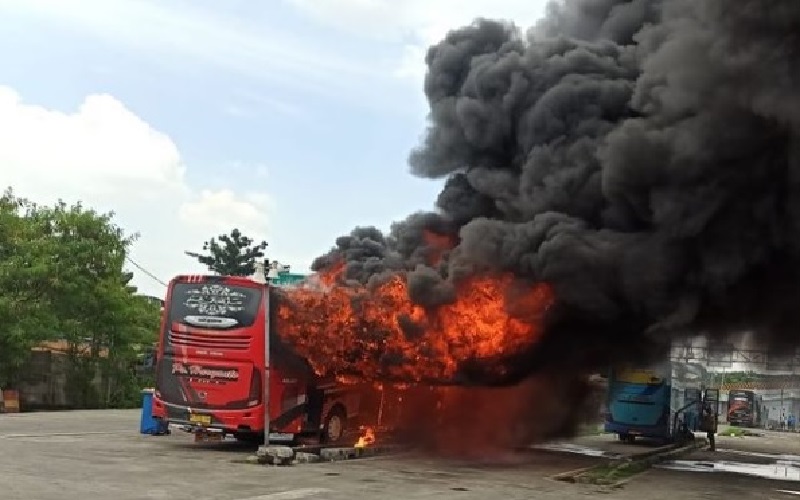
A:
x: 291, y: 119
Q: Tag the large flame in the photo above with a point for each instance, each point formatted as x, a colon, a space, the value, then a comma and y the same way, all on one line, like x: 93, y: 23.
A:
x: 381, y: 334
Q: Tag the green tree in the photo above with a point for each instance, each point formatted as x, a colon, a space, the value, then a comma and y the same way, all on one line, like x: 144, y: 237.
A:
x: 90, y: 296
x: 231, y: 254
x: 62, y: 278
x: 26, y: 317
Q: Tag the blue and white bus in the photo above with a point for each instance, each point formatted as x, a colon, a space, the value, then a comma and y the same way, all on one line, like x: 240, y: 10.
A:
x: 644, y: 402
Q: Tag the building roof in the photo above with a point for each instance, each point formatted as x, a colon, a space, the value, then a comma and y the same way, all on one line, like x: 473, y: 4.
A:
x: 763, y: 382
x: 63, y: 347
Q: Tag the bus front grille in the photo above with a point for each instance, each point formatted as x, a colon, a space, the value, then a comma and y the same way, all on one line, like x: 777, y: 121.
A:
x: 210, y: 340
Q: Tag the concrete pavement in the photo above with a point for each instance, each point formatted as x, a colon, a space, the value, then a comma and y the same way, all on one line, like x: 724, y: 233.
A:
x: 100, y: 455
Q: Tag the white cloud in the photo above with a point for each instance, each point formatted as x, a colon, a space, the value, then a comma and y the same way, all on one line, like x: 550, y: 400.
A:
x: 109, y: 158
x: 225, y: 209
x: 415, y: 23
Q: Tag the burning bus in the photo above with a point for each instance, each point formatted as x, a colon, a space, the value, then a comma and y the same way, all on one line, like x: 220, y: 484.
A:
x: 211, y: 381
x: 210, y: 370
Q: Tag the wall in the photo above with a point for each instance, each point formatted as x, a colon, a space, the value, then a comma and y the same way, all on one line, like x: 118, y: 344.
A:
x: 44, y: 385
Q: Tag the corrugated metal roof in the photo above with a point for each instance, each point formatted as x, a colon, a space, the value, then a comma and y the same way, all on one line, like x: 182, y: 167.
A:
x: 63, y: 347
x: 765, y: 382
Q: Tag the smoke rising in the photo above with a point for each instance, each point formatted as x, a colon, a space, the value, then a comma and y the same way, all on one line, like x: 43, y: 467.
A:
x: 642, y: 157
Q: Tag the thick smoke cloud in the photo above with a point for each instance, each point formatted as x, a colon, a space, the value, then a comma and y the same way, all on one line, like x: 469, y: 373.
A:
x: 643, y: 157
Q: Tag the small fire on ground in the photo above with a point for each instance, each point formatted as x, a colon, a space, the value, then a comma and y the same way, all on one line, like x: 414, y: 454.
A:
x: 366, y: 439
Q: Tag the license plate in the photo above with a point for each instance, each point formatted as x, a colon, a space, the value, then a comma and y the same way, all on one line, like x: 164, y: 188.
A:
x: 200, y: 419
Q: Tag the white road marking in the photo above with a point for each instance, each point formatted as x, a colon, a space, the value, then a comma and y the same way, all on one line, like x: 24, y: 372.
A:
x: 48, y: 434
x: 290, y: 494
x: 789, y: 492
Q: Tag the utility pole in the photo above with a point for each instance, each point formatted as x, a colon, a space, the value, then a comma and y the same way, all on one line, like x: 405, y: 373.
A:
x: 267, y: 363
x: 783, y: 412
x: 722, y: 383
x: 261, y: 277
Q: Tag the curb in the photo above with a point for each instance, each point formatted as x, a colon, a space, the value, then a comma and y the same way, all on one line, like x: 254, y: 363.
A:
x: 285, y: 455
x: 648, y: 462
x: 643, y: 460
x: 569, y: 475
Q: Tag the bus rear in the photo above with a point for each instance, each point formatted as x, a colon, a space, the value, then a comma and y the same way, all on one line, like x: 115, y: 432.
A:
x: 638, y: 403
x: 742, y: 408
x: 209, y: 371
x: 210, y: 368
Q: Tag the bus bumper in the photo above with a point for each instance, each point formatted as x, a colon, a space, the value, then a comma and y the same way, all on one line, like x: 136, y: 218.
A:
x: 655, y: 431
x: 214, y: 425
x: 250, y: 420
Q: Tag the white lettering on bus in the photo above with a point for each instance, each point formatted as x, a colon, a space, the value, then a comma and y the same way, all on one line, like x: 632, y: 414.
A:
x: 202, y: 371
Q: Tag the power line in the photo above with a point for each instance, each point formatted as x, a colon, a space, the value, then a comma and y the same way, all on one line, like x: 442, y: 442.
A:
x: 145, y: 271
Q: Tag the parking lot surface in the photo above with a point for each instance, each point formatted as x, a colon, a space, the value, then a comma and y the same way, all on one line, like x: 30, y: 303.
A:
x: 99, y: 454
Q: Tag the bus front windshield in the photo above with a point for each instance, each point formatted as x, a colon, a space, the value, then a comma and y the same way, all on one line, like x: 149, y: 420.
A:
x: 213, y: 305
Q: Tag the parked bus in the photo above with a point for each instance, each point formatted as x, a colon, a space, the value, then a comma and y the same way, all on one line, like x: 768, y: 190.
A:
x: 660, y: 402
x: 744, y: 409
x: 210, y: 376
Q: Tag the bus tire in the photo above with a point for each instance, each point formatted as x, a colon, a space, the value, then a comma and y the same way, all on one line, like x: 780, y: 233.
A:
x: 335, y: 425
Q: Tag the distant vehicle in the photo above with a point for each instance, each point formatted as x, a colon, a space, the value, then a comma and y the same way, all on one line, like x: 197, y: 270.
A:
x: 744, y: 409
x: 210, y: 376
x: 661, y: 402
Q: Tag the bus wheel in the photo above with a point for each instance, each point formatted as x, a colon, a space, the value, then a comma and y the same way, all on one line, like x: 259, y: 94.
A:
x: 334, y: 427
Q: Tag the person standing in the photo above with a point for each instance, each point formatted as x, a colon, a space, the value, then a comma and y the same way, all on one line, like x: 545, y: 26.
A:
x: 710, y: 426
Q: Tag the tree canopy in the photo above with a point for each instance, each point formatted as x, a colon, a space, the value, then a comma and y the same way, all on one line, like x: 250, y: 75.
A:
x: 62, y: 279
x: 231, y: 254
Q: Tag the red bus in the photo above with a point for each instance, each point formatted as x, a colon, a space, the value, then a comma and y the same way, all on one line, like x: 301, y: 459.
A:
x: 210, y: 377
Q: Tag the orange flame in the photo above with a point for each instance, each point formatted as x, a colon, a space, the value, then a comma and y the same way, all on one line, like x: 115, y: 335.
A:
x: 332, y: 275
x: 381, y: 333
x: 366, y: 439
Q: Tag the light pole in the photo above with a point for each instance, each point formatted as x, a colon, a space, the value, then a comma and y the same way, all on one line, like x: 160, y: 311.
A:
x: 265, y: 277
x: 262, y: 277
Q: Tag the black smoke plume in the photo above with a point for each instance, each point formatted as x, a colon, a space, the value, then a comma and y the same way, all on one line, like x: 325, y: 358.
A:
x: 642, y: 157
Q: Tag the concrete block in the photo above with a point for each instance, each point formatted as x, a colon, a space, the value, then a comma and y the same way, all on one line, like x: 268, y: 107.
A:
x: 347, y: 453
x: 371, y: 451
x: 275, y: 455
x: 306, y: 458
x: 331, y: 454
